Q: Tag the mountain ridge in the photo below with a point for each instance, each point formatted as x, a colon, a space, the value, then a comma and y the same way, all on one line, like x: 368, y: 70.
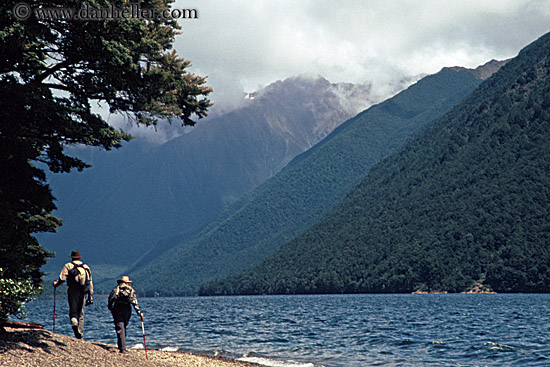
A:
x: 278, y: 210
x: 466, y: 200
x: 483, y: 71
x: 117, y: 210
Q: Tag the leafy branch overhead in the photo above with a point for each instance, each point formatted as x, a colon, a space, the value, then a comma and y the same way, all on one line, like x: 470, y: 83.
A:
x: 51, y: 73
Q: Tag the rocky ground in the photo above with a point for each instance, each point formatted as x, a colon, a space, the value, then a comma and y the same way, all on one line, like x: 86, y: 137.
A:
x: 42, y: 348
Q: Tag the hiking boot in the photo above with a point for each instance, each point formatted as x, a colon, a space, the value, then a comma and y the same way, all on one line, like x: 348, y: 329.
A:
x: 77, y: 333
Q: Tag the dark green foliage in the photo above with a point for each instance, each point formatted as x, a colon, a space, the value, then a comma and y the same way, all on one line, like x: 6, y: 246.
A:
x: 466, y: 200
x: 50, y: 72
x: 313, y: 183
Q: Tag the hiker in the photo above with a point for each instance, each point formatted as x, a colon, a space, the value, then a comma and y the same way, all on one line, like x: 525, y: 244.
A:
x: 79, y: 286
x: 120, y: 299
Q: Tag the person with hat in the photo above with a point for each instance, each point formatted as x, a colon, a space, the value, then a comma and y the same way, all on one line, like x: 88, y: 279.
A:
x: 79, y: 285
x: 120, y: 299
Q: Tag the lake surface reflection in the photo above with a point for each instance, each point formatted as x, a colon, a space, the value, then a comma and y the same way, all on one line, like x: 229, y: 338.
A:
x: 335, y: 330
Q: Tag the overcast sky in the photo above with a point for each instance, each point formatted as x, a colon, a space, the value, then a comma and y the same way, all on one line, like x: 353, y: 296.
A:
x: 244, y: 45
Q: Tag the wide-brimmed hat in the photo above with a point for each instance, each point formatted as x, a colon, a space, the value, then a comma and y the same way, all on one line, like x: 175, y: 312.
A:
x: 75, y: 255
x: 124, y: 279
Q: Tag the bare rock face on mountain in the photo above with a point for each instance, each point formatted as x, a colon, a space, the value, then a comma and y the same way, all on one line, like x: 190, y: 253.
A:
x: 484, y: 71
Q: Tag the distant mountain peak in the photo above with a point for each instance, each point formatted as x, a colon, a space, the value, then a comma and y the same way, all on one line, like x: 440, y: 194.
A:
x: 483, y: 71
x: 352, y: 97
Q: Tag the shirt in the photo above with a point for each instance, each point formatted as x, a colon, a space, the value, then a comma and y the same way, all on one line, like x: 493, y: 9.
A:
x: 114, y: 295
x: 68, y: 266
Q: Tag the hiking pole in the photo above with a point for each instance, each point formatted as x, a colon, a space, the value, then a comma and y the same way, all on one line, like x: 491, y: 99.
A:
x: 144, y: 343
x: 54, y: 289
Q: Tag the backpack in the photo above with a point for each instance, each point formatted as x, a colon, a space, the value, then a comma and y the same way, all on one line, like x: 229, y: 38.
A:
x: 124, y: 295
x: 76, y: 278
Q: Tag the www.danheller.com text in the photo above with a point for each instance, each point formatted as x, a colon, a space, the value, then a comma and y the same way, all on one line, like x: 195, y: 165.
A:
x: 23, y: 11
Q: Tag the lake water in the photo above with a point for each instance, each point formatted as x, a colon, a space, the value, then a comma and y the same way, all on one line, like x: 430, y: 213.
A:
x: 335, y: 330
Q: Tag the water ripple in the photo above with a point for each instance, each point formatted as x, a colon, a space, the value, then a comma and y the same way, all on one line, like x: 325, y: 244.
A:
x: 337, y: 331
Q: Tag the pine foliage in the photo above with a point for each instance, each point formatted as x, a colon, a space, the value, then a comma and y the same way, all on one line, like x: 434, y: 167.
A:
x: 51, y: 71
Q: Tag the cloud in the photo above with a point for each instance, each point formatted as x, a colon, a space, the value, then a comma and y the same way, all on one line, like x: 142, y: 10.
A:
x: 244, y: 45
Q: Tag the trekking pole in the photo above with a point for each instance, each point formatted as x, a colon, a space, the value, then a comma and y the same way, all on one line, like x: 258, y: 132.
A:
x: 144, y: 343
x: 54, y: 289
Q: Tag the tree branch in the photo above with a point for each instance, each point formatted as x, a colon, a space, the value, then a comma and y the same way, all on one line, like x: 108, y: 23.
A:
x: 50, y: 71
x: 60, y: 87
x: 97, y: 96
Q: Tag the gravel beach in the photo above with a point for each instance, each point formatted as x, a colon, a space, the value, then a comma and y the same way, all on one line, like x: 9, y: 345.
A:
x: 42, y: 348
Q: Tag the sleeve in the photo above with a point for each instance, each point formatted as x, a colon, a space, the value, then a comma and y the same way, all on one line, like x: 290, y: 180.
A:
x: 64, y: 273
x: 112, y: 298
x: 89, y: 271
x: 134, y: 301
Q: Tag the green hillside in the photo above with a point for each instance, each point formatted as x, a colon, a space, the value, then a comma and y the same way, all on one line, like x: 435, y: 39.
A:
x: 286, y: 205
x: 132, y: 198
x: 467, y: 200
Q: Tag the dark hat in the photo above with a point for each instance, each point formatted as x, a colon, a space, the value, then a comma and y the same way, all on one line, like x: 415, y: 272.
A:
x: 75, y: 255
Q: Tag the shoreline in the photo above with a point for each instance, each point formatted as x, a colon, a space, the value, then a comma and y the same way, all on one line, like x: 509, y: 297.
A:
x: 42, y: 348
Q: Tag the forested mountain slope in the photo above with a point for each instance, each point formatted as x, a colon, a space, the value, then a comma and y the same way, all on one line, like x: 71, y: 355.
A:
x: 467, y: 200
x: 117, y: 210
x: 282, y: 208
